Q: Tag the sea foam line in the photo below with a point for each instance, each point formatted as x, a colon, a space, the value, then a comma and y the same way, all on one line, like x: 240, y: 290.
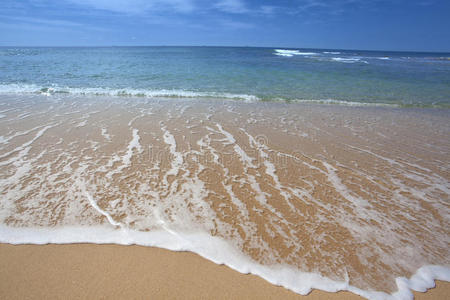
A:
x: 124, y: 92
x: 218, y: 251
x: 94, y: 204
x: 27, y: 89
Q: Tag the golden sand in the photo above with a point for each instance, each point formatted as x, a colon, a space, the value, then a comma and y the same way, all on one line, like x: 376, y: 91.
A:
x: 357, y: 194
x: 86, y: 271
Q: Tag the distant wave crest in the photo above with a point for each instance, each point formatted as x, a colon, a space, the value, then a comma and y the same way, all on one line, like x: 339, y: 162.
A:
x: 348, y: 60
x: 289, y: 53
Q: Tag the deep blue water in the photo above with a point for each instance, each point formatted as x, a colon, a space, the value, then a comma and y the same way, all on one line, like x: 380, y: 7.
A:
x: 404, y: 78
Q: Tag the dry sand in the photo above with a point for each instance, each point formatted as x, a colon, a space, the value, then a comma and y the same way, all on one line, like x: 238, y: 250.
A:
x: 113, y: 271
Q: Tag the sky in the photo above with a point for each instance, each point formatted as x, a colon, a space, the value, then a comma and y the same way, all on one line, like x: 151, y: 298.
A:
x: 402, y: 25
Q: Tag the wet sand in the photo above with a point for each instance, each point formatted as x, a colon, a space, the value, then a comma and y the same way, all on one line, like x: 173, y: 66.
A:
x: 83, y: 271
x: 359, y: 195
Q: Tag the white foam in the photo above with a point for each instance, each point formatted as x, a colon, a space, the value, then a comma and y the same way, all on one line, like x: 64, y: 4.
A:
x: 177, y: 157
x: 32, y: 89
x: 331, y: 52
x: 218, y: 251
x: 205, y: 143
x: 134, y: 144
x: 93, y: 203
x: 342, y: 102
x: 247, y: 162
x: 81, y: 124
x: 125, y: 92
x: 5, y: 140
x: 306, y: 53
x: 348, y: 60
x: 232, y: 141
x: 188, y: 188
x: 270, y: 168
x: 341, y: 188
x: 285, y: 52
x: 24, y: 148
x: 105, y: 134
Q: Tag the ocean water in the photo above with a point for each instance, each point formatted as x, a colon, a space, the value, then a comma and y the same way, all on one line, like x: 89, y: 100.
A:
x: 398, y: 78
x: 235, y: 154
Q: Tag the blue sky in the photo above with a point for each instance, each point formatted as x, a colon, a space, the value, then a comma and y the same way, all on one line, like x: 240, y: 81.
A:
x: 422, y: 25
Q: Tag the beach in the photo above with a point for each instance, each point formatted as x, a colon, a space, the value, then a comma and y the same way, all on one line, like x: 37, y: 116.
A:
x: 113, y: 272
x: 306, y: 196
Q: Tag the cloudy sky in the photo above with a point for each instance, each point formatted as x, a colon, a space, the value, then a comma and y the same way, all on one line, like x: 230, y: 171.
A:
x: 421, y: 25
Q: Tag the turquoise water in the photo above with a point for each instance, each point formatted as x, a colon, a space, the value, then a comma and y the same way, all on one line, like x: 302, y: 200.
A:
x: 402, y: 78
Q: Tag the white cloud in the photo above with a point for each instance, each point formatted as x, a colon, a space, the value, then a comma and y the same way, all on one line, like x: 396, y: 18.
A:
x: 331, y: 7
x: 232, y: 6
x: 165, y: 7
x: 267, y: 9
x: 138, y: 6
x: 47, y: 23
x: 305, y: 5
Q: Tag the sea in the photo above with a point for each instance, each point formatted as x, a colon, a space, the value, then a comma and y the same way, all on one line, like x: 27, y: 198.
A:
x: 243, y: 73
x: 311, y: 168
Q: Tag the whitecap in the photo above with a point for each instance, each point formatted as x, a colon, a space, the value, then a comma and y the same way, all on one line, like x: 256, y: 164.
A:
x: 348, y: 60
x: 285, y: 52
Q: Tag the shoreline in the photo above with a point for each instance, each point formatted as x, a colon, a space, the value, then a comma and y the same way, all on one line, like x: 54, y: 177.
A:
x: 310, y: 187
x: 66, y: 93
x: 117, y: 271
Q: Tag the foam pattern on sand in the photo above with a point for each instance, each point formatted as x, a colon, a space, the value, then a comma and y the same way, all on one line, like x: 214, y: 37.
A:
x: 305, y: 196
x: 220, y: 252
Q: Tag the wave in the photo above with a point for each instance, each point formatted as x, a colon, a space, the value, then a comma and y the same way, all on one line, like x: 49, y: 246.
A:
x: 314, y: 55
x: 127, y: 92
x: 189, y: 226
x: 54, y: 90
x: 219, y: 251
x: 284, y: 54
x: 289, y: 53
x: 348, y: 60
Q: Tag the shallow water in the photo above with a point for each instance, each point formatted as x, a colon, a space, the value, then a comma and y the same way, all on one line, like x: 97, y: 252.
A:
x: 357, y: 195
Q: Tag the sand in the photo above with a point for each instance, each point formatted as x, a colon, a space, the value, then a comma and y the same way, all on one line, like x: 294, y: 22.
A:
x: 357, y: 194
x: 84, y: 271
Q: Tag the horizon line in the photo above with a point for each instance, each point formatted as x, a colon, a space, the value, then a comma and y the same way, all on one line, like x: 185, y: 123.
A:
x: 220, y: 46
